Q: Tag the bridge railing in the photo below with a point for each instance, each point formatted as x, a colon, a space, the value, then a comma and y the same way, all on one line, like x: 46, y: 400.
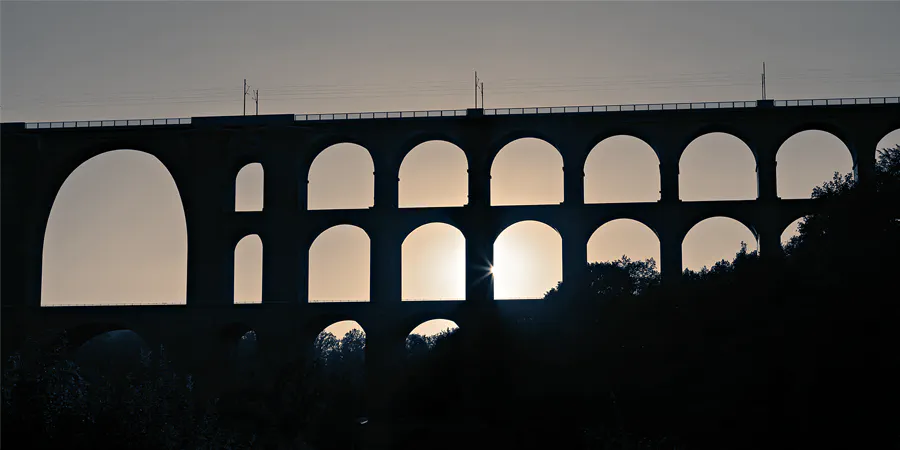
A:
x: 618, y: 108
x: 95, y: 305
x: 108, y: 123
x: 488, y: 112
x: 381, y: 115
x: 838, y: 101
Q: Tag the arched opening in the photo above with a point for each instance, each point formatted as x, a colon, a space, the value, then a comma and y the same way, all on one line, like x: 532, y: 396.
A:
x: 621, y: 169
x: 342, y: 177
x: 339, y: 265
x: 342, y: 342
x: 434, y: 263
x: 248, y: 188
x: 247, y: 346
x: 623, y: 237
x: 248, y: 268
x: 337, y: 378
x: 433, y: 174
x: 427, y: 335
x: 717, y: 166
x: 116, y: 235
x: 808, y: 159
x: 527, y: 261
x: 889, y: 141
x: 791, y: 231
x: 713, y: 240
x: 527, y: 171
x: 111, y: 355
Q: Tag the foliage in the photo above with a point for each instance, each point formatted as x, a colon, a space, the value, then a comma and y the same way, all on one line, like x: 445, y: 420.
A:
x: 48, y: 403
x: 795, y: 352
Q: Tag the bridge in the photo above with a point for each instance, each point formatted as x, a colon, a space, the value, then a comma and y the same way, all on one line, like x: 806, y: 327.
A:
x: 205, y: 154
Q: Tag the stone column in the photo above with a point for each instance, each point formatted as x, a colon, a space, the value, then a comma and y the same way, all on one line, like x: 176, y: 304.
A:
x: 766, y: 173
x: 285, y: 277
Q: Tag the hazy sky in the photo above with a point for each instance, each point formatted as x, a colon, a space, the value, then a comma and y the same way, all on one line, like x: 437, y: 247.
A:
x: 104, y: 60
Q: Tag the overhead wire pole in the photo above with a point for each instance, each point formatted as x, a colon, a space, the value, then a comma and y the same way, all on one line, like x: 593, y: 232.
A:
x: 482, y: 95
x: 764, y: 81
x: 256, y: 99
x: 476, y: 89
x: 245, y: 97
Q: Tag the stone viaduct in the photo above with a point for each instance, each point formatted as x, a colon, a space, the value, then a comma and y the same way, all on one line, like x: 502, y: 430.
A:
x: 205, y: 154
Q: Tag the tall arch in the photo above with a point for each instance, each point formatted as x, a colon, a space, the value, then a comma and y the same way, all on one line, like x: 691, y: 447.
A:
x: 433, y: 264
x: 342, y: 177
x: 248, y: 270
x: 433, y: 174
x: 527, y: 171
x: 339, y: 265
x: 116, y: 234
x: 808, y: 159
x: 714, y: 239
x: 248, y: 188
x: 527, y: 261
x: 717, y: 166
x: 621, y: 169
x: 623, y: 237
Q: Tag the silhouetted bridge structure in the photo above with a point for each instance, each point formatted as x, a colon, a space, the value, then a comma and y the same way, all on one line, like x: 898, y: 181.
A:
x: 204, y: 155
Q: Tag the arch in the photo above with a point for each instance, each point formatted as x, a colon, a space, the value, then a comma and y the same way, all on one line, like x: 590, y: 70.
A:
x: 621, y: 169
x: 111, y: 354
x: 341, y: 177
x: 248, y: 188
x: 248, y: 270
x: 714, y: 239
x: 717, y: 166
x: 339, y: 265
x: 527, y: 171
x: 791, y: 230
x: 623, y: 237
x: 807, y: 159
x: 346, y: 336
x: 246, y: 347
x: 890, y: 140
x: 433, y: 174
x: 527, y: 261
x: 433, y: 263
x: 424, y: 336
x: 116, y: 234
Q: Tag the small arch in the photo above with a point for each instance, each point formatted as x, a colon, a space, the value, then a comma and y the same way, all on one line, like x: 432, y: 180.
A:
x: 424, y: 336
x: 791, y: 231
x: 248, y: 270
x: 342, y: 177
x: 807, y: 159
x: 248, y: 188
x: 110, y: 354
x: 527, y: 261
x: 717, y: 166
x: 247, y: 346
x: 621, y: 169
x: 344, y: 338
x: 714, y: 239
x: 623, y: 237
x: 339, y: 265
x: 116, y: 234
x: 889, y: 141
x: 527, y: 171
x: 434, y: 174
x: 433, y: 263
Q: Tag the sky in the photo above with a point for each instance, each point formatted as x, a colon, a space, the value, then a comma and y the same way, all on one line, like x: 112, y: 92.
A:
x: 116, y: 232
